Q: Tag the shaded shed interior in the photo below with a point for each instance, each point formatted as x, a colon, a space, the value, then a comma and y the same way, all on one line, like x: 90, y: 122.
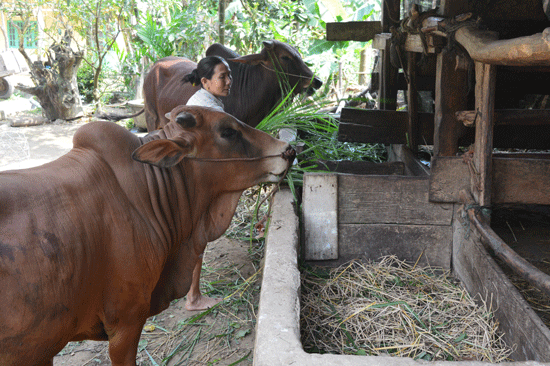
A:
x: 484, y: 117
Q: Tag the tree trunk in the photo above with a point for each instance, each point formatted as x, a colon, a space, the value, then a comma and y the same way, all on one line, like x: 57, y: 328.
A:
x: 55, y: 80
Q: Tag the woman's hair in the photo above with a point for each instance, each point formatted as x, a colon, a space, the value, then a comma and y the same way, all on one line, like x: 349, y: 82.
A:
x: 205, y: 69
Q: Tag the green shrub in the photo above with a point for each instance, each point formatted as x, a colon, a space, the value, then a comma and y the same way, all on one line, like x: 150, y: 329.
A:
x: 85, y: 81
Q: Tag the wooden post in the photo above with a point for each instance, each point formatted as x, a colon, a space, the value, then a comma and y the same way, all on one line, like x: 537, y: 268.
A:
x: 363, y: 67
x: 483, y: 151
x: 387, y: 93
x: 451, y: 86
x: 412, y: 102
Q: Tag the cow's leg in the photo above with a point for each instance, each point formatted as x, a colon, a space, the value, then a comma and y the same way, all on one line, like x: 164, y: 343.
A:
x: 196, y: 300
x: 124, y: 342
x: 48, y: 363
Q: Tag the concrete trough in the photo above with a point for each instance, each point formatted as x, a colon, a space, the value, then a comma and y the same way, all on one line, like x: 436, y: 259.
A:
x: 278, y: 322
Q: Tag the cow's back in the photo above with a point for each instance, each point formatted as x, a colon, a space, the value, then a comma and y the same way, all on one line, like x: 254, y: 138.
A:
x: 164, y: 89
x: 56, y: 269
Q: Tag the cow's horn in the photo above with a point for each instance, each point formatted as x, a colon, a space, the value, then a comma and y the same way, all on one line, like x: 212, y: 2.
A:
x: 268, y: 44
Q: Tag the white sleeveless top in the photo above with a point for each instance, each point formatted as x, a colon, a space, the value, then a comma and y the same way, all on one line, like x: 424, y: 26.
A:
x: 204, y: 98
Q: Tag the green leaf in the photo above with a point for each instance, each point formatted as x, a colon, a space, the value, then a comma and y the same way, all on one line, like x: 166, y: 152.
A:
x: 242, y: 333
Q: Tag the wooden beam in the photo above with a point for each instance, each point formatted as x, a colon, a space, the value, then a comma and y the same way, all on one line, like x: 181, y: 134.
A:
x: 449, y: 98
x: 484, y: 46
x: 483, y: 149
x: 509, y: 117
x: 387, y: 92
x: 391, y: 13
x: 352, y: 31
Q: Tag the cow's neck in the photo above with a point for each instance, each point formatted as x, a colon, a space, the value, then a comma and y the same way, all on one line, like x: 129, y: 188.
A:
x: 257, y: 92
x: 210, y: 217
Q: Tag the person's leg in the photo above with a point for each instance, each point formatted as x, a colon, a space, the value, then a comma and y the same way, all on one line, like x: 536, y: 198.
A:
x: 196, y: 300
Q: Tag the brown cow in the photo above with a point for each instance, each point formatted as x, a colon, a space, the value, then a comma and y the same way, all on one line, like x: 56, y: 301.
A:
x: 256, y: 87
x: 107, y: 235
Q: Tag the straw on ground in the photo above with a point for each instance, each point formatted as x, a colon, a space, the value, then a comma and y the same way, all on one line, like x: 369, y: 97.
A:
x: 392, y: 308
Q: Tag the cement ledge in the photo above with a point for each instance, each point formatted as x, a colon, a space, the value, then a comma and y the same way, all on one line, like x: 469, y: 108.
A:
x: 278, y: 325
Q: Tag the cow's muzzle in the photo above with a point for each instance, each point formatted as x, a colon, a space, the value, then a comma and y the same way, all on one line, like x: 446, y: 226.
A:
x: 315, y: 84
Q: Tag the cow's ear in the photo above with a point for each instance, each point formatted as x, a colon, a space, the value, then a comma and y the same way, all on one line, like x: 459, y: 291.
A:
x: 164, y: 153
x: 268, y: 44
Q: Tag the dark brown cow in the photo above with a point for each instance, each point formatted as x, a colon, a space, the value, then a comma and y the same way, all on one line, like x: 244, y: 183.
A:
x: 256, y: 88
x: 107, y: 235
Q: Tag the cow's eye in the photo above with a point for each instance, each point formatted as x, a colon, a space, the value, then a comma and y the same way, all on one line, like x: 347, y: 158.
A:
x: 228, y: 133
x: 286, y: 58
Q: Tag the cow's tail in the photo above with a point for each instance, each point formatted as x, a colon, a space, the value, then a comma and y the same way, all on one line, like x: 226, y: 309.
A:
x: 117, y: 117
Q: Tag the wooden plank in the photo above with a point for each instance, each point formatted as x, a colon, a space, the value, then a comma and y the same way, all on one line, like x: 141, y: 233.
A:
x: 509, y: 117
x: 483, y: 149
x: 388, y: 200
x: 353, y: 31
x: 387, y: 127
x: 519, y: 180
x: 482, y: 277
x: 449, y: 98
x: 429, y: 243
x: 320, y: 210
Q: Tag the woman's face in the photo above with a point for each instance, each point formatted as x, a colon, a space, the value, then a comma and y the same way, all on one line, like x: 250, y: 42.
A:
x: 220, y: 83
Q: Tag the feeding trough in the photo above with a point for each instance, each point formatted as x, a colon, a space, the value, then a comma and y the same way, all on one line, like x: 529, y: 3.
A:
x: 278, y: 339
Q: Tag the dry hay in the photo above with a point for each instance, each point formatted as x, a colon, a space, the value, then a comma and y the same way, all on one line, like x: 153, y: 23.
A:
x: 392, y: 308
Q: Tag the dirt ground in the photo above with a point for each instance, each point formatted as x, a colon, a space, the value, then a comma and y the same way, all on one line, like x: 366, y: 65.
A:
x: 223, y: 335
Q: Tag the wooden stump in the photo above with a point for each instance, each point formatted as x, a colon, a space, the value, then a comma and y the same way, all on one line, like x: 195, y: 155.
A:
x: 55, y: 80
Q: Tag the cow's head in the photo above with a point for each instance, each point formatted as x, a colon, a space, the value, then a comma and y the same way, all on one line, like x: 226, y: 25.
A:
x: 218, y: 146
x: 286, y: 61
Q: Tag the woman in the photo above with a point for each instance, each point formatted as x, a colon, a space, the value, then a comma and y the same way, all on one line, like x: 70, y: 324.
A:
x: 214, y: 75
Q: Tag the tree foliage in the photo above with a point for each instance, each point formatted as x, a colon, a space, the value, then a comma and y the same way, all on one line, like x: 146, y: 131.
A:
x: 139, y: 32
x: 98, y: 23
